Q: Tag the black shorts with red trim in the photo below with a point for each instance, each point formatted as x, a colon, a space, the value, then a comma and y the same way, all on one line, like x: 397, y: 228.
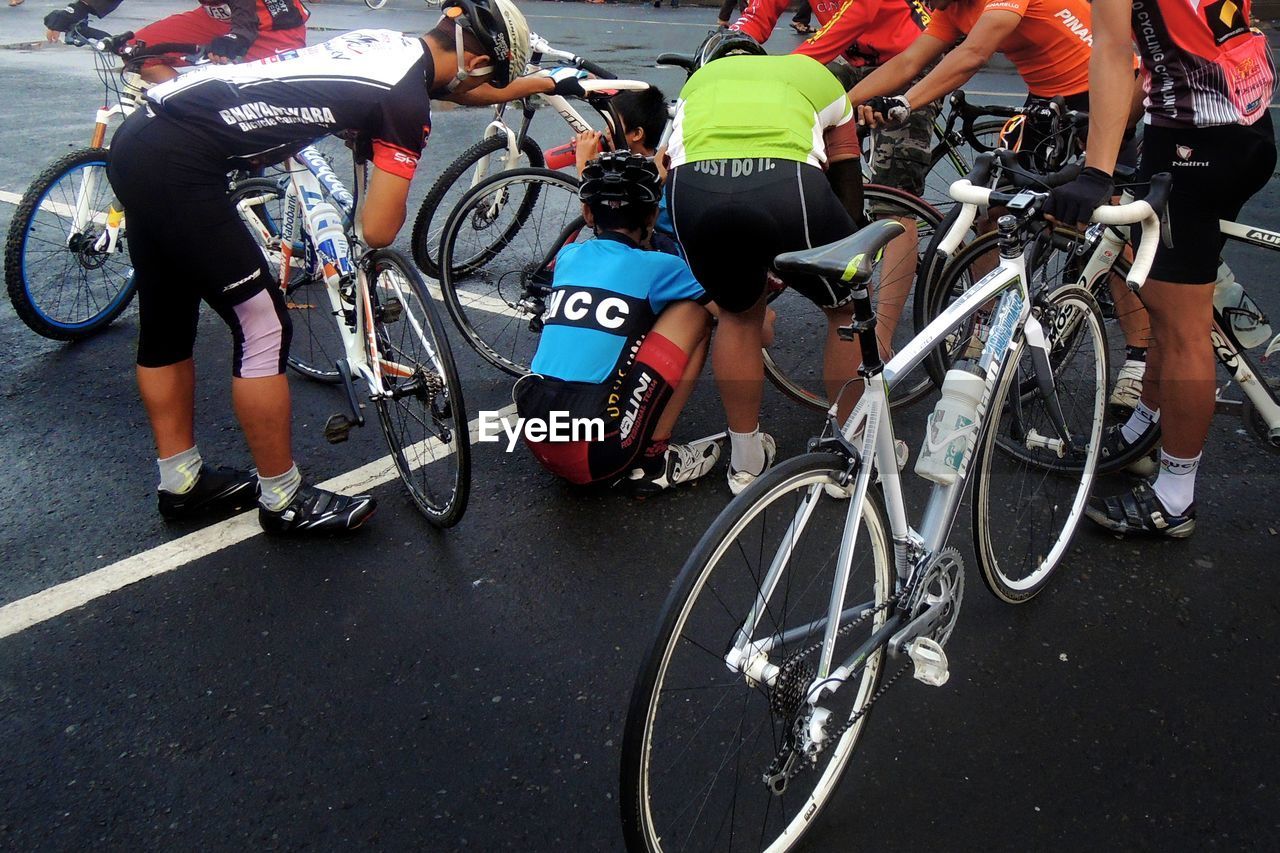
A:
x: 629, y: 408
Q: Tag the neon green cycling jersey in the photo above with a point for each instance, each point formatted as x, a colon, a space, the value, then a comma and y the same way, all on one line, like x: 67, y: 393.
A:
x: 757, y: 106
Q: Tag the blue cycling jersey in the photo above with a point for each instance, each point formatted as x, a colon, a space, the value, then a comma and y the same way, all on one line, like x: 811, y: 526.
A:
x: 607, y: 293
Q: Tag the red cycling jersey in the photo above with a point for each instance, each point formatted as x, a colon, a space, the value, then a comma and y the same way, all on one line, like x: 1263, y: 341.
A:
x: 866, y: 32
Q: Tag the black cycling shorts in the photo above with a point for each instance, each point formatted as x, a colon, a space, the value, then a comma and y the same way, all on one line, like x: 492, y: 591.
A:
x: 1215, y: 171
x: 188, y: 244
x: 734, y: 216
x: 629, y: 407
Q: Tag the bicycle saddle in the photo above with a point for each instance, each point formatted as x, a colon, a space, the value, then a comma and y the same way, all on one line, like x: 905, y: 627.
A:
x: 851, y: 259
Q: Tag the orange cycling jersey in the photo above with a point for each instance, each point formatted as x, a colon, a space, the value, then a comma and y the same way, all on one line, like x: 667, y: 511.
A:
x: 866, y: 32
x: 1050, y: 46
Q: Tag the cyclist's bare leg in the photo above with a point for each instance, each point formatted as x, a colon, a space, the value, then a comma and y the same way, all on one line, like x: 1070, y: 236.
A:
x: 686, y: 325
x: 262, y: 407
x: 168, y: 394
x: 897, y: 272
x: 738, y: 365
x: 1134, y: 322
x: 1180, y: 379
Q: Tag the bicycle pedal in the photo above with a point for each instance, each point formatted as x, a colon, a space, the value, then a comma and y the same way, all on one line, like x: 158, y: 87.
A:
x: 930, y: 661
x: 392, y: 309
x: 337, y: 428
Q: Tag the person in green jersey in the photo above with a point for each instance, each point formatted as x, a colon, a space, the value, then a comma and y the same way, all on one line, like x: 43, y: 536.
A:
x: 745, y: 184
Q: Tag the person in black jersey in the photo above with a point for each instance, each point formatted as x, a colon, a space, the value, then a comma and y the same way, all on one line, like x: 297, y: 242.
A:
x: 169, y: 165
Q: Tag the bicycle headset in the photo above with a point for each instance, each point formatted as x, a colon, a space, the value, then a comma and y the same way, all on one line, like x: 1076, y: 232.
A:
x: 727, y: 43
x: 502, y: 32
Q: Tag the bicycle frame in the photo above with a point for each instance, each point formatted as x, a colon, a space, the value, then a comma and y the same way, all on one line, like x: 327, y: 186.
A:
x: 870, y: 424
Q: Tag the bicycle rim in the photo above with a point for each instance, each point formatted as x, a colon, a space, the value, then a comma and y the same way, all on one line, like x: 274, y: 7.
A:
x: 498, y: 304
x: 316, y: 344
x: 794, y: 361
x: 61, y: 285
x: 699, y: 736
x: 951, y: 162
x: 422, y: 413
x: 1029, y: 499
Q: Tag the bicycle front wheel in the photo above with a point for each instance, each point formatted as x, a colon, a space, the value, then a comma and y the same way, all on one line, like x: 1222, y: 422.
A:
x: 510, y: 227
x: 65, y: 283
x: 423, y: 416
x: 951, y: 160
x: 794, y: 361
x: 317, y: 344
x: 1032, y: 486
x: 701, y: 735
x: 487, y: 157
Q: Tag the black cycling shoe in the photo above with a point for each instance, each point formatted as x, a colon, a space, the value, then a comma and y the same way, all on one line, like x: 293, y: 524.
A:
x: 315, y: 510
x: 1114, y: 445
x: 217, y: 490
x: 1139, y: 511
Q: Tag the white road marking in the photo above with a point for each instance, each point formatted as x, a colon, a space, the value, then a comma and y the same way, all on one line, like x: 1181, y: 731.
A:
x: 477, y: 300
x: 54, y: 207
x: 54, y: 601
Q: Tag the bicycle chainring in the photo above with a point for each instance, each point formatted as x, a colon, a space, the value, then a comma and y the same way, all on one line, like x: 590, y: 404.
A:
x: 942, y: 581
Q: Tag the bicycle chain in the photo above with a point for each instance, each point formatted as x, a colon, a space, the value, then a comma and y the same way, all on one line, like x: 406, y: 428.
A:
x: 791, y: 667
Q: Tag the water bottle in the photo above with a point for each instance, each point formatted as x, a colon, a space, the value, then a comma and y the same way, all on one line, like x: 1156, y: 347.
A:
x: 325, y: 224
x: 951, y: 426
x: 1248, y: 323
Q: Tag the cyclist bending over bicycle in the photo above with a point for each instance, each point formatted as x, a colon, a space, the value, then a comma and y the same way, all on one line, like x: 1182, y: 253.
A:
x: 169, y: 164
x: 625, y: 339
x: 232, y: 30
x: 1211, y: 128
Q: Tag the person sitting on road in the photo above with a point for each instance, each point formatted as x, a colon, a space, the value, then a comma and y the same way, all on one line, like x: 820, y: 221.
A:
x: 746, y: 184
x: 231, y: 30
x: 625, y: 339
x: 1049, y: 45
x: 169, y: 165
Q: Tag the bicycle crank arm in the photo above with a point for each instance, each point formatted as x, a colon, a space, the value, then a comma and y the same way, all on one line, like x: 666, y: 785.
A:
x: 923, y: 624
x: 348, y: 383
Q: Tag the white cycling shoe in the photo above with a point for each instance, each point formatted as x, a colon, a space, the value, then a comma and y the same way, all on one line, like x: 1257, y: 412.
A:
x: 1128, y: 389
x: 739, y: 480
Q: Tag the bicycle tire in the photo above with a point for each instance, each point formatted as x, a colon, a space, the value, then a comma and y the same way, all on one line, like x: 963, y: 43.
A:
x: 1052, y: 502
x: 497, y: 305
x: 727, y: 597
x: 375, y: 4
x: 425, y: 419
x: 61, y: 287
x: 316, y: 341
x: 798, y: 374
x: 433, y: 215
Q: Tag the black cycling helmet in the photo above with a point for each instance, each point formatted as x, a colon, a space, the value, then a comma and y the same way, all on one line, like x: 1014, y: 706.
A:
x: 620, y: 178
x: 722, y: 43
x: 501, y: 30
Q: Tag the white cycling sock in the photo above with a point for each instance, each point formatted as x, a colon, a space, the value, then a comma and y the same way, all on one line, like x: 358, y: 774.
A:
x: 178, y: 472
x: 747, y: 451
x: 1139, y: 422
x: 277, y: 492
x: 1176, y: 484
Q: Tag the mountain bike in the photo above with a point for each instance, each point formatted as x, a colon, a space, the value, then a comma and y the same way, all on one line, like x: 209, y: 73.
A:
x: 66, y: 260
x: 503, y: 147
x: 780, y: 632
x: 384, y: 320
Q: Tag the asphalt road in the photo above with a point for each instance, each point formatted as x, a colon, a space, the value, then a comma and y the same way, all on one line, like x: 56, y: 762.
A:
x: 416, y: 689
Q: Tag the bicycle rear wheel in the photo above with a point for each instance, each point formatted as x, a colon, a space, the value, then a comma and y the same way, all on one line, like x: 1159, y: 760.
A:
x: 62, y: 285
x: 497, y: 297
x: 794, y: 362
x: 422, y: 413
x: 486, y: 158
x: 317, y: 344
x: 700, y: 735
x: 1030, y: 497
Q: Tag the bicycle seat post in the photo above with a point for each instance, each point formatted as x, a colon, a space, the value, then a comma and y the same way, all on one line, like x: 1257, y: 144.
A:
x: 864, y: 327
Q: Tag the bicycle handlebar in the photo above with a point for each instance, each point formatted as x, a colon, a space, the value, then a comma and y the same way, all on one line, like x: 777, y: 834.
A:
x: 1145, y: 211
x: 122, y: 45
x: 542, y: 46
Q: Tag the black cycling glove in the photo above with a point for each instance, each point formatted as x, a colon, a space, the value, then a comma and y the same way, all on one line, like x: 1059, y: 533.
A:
x: 61, y: 20
x: 895, y: 109
x: 1075, y: 201
x: 569, y: 82
x: 231, y: 46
